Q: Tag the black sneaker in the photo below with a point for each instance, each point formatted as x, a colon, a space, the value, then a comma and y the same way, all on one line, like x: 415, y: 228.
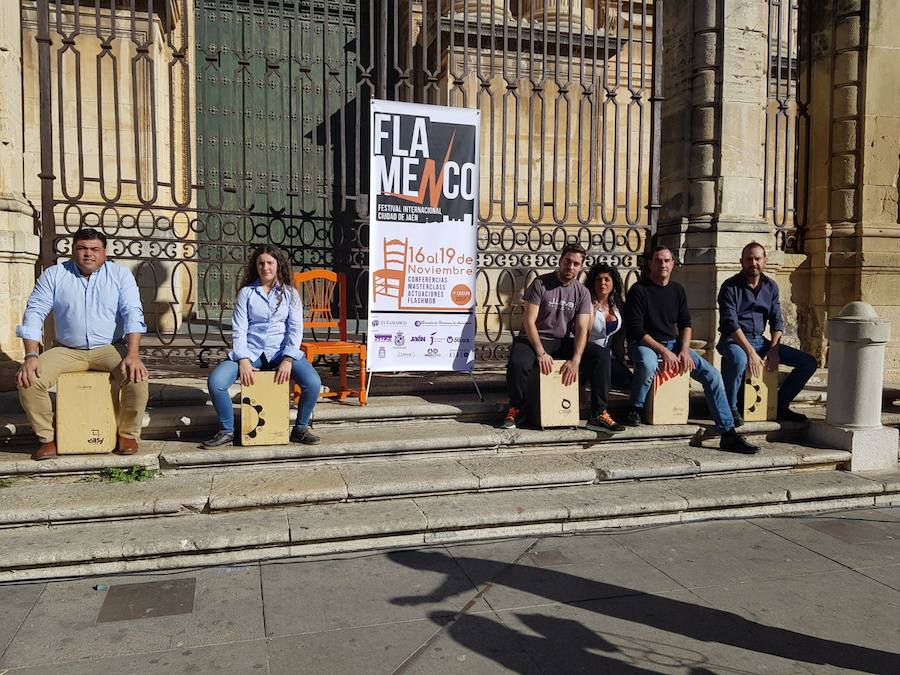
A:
x: 633, y: 417
x: 304, y: 435
x: 788, y: 415
x: 221, y: 438
x: 732, y: 441
x: 738, y: 420
x: 603, y: 422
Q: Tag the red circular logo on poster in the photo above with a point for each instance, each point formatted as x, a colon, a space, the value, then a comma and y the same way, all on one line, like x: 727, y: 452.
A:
x: 461, y: 294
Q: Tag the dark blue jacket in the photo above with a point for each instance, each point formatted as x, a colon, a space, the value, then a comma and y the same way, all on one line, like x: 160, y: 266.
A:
x: 742, y: 307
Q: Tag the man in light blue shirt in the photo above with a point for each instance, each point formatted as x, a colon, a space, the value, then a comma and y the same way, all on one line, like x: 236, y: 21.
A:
x: 99, y: 321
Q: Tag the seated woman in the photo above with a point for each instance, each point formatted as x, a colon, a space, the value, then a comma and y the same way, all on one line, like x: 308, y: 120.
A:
x: 605, y: 285
x: 595, y: 368
x: 267, y: 328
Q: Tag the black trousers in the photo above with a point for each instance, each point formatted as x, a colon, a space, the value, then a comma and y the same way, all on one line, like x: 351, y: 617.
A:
x: 522, y: 371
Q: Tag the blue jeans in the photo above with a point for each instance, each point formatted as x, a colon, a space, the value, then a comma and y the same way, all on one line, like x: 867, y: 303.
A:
x: 646, y: 363
x: 225, y: 374
x: 734, y: 363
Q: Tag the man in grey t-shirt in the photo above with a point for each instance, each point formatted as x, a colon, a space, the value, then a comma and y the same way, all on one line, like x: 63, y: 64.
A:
x: 556, y: 324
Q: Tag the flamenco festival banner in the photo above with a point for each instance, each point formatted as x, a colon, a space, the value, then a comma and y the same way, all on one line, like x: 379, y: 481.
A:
x: 423, y: 213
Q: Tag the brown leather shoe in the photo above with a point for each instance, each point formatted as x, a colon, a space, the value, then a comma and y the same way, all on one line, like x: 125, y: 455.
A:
x: 46, y: 451
x: 126, y: 446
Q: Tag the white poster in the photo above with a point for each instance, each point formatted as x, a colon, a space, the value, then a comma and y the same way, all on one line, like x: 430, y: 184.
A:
x: 423, y: 213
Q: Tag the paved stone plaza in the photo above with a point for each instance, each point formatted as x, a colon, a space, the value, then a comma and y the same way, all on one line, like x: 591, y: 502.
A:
x: 803, y: 594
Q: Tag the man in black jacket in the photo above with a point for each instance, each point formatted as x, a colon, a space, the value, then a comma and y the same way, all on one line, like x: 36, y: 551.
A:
x: 658, y: 325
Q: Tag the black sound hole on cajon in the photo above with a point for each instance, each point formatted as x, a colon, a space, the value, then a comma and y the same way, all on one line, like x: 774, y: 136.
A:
x: 752, y: 406
x: 566, y: 404
x: 260, y: 422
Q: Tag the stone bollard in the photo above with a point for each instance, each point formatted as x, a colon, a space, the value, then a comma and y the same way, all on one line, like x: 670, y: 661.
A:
x: 856, y: 341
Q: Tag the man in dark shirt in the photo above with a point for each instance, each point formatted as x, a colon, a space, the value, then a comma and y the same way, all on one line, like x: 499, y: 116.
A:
x: 747, y: 302
x: 556, y: 324
x: 658, y: 325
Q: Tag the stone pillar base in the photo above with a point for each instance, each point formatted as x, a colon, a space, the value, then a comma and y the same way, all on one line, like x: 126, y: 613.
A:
x: 873, y: 449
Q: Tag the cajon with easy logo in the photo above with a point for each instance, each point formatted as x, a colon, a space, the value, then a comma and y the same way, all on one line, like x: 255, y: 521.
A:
x: 760, y: 396
x: 265, y: 409
x: 558, y: 403
x: 667, y: 402
x: 85, y: 413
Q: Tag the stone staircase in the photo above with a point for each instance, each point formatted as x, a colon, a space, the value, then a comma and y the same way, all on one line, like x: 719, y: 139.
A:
x: 403, y: 471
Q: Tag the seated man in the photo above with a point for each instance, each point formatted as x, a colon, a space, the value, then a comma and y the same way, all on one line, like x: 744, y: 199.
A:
x: 658, y: 325
x: 747, y: 302
x: 555, y: 326
x: 99, y: 321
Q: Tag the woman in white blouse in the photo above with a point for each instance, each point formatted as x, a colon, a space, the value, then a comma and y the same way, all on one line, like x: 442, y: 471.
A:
x: 605, y: 285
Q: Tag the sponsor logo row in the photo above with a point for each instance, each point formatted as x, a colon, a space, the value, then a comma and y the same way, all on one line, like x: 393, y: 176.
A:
x: 399, y: 339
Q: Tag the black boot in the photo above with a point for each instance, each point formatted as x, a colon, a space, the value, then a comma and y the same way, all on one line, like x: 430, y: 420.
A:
x: 732, y: 441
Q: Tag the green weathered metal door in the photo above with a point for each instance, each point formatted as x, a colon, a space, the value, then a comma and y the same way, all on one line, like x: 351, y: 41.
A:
x: 273, y: 78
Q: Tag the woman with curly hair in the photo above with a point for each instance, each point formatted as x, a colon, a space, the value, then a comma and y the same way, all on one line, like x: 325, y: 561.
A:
x: 606, y: 288
x: 266, y: 328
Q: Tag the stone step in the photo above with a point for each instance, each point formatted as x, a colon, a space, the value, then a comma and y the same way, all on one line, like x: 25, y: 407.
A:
x: 199, y: 420
x: 408, y: 436
x: 75, y: 549
x: 196, y: 422
x: 39, y: 500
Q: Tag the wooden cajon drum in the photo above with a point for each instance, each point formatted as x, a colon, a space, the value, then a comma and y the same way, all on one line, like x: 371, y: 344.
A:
x: 558, y: 404
x: 760, y: 396
x: 265, y: 409
x: 668, y: 400
x: 85, y: 413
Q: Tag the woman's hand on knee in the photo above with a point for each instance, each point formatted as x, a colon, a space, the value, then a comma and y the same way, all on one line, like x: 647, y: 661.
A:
x: 283, y: 372
x: 246, y: 372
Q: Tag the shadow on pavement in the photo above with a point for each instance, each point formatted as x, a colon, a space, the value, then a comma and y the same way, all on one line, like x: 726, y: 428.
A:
x: 675, y: 616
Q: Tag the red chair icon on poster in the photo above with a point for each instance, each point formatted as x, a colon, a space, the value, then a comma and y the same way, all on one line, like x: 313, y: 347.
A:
x: 390, y: 280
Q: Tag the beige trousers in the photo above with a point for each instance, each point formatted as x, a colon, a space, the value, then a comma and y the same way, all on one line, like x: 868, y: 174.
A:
x: 130, y: 398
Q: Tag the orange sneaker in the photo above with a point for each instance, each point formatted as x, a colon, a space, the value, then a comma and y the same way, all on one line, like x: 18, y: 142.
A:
x: 513, y: 417
x: 603, y: 422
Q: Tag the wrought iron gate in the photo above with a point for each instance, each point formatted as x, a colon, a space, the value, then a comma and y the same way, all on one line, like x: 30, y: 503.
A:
x: 190, y: 130
x: 787, y: 121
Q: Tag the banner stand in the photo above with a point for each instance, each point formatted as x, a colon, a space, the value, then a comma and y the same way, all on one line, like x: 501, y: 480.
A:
x: 423, y: 248
x: 371, y: 376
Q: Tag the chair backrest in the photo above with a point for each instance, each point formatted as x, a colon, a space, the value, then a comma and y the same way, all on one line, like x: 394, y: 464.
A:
x: 395, y: 251
x: 316, y: 288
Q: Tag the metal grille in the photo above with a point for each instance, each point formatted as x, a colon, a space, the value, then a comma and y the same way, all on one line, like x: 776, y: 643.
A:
x: 191, y: 130
x: 787, y: 122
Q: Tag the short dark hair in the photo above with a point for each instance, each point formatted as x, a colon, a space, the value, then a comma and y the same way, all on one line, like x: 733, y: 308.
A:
x: 573, y: 248
x: 88, y: 234
x: 659, y: 247
x: 753, y: 244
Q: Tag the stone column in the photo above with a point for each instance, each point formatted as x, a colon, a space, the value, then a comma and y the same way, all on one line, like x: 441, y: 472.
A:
x: 19, y: 246
x: 564, y: 13
x: 486, y: 10
x: 713, y: 138
x: 857, y: 339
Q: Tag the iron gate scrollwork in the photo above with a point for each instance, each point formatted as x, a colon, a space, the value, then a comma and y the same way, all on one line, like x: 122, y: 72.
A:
x: 191, y: 130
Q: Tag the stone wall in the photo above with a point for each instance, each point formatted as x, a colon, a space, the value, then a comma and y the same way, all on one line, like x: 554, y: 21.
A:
x: 853, y: 238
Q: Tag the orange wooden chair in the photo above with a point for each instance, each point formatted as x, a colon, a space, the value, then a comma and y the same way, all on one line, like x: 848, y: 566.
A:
x: 316, y: 289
